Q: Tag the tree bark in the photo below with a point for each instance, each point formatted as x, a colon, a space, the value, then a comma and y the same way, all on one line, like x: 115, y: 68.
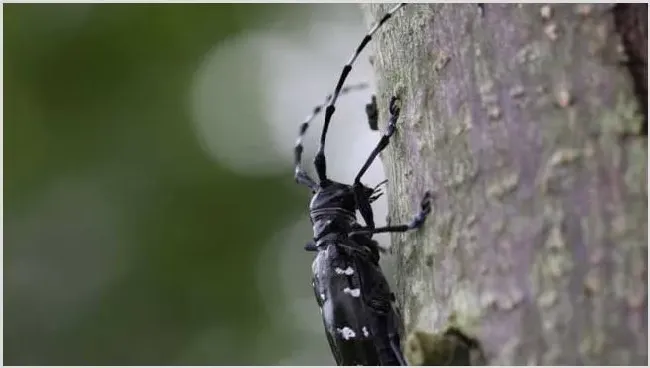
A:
x: 525, y: 121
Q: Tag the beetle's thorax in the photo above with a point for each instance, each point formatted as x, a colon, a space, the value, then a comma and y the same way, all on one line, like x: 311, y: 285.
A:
x: 332, y: 209
x: 332, y: 199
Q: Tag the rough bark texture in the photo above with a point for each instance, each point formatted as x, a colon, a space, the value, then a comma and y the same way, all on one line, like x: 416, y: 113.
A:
x: 525, y: 122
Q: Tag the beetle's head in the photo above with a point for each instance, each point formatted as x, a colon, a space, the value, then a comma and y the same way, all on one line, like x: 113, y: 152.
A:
x: 334, y: 197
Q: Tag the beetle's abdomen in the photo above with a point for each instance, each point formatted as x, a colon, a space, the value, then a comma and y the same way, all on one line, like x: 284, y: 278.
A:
x: 358, y: 333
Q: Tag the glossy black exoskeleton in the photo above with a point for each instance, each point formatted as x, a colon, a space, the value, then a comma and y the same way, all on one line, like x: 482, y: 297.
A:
x: 362, y: 324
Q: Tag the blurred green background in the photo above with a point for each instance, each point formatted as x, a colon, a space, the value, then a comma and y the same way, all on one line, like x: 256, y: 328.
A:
x: 125, y: 242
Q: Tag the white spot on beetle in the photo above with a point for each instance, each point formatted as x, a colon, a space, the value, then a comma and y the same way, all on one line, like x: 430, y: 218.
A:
x: 346, y: 332
x: 354, y: 292
x: 322, y: 296
x: 365, y: 331
x: 348, y: 271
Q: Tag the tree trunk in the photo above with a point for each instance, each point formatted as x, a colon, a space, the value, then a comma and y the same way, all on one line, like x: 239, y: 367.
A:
x: 529, y: 125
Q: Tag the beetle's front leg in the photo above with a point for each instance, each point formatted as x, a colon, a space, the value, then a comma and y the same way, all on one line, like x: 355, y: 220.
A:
x: 416, y: 223
x: 363, y: 202
x: 394, y: 110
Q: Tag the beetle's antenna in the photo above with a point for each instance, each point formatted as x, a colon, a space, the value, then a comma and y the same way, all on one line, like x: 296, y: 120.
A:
x: 319, y: 160
x: 300, y: 174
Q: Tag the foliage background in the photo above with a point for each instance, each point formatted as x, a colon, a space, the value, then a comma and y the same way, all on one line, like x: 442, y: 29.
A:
x: 150, y: 212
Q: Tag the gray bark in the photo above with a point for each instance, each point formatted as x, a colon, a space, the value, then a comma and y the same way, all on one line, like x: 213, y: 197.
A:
x: 524, y: 122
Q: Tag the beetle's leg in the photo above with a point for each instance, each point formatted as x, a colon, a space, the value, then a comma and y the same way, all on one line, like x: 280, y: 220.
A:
x: 385, y: 138
x: 363, y: 202
x: 396, y: 350
x: 418, y: 220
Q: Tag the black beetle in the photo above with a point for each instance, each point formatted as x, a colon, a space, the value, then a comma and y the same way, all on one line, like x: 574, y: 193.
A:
x: 362, y: 324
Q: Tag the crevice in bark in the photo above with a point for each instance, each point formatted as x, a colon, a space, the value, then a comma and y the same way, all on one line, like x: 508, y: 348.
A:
x: 452, y: 347
x: 631, y: 22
